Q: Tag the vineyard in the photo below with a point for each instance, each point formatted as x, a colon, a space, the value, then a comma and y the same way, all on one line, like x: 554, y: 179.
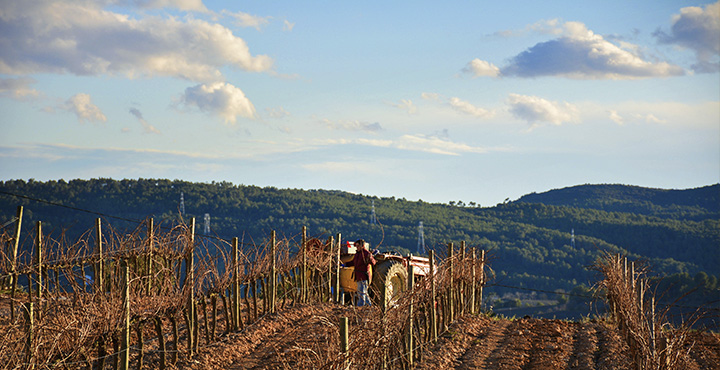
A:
x: 167, y: 298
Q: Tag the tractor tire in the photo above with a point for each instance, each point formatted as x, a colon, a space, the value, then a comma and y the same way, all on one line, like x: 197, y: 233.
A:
x: 389, y: 279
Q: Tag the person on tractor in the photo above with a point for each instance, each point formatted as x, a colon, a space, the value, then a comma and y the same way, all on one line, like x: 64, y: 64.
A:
x: 363, y: 259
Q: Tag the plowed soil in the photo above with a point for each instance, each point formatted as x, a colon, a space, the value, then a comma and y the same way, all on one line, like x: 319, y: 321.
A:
x: 307, y: 337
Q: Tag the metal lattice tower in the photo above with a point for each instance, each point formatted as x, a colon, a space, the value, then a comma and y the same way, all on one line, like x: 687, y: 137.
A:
x: 421, y: 239
x: 206, y: 230
x: 373, y: 217
x: 572, y: 238
x: 182, y: 204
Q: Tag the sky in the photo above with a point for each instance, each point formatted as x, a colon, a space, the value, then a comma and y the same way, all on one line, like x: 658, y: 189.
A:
x: 440, y: 101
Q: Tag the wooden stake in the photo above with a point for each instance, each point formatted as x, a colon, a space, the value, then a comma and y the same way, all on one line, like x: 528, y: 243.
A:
x: 30, y: 327
x: 452, y: 283
x: 150, y: 233
x: 411, y: 288
x: 125, y: 342
x: 303, y: 274
x: 99, y: 268
x: 13, y: 276
x: 273, y: 274
x: 39, y: 264
x: 189, y: 282
x: 473, y: 284
x: 337, y: 270
x: 236, y: 284
x: 433, y: 317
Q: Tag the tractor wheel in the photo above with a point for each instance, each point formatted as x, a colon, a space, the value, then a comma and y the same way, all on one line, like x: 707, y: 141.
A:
x: 389, y: 279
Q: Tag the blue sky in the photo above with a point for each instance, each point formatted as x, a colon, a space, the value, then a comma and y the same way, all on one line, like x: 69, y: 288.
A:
x: 439, y: 101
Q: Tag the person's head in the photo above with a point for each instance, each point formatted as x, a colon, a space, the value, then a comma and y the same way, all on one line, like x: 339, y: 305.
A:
x: 359, y: 243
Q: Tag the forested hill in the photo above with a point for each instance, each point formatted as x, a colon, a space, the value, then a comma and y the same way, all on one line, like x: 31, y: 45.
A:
x: 694, y: 204
x: 530, y: 244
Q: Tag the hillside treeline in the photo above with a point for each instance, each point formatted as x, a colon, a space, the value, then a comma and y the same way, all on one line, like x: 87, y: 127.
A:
x: 529, y: 243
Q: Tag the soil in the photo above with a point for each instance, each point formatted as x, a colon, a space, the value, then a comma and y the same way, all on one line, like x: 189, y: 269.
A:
x: 307, y: 337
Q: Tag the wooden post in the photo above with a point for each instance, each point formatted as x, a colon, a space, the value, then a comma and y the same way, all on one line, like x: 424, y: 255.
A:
x: 461, y: 285
x: 39, y: 264
x: 303, y: 274
x: 433, y: 317
x: 337, y: 271
x: 125, y: 341
x: 411, y: 288
x: 13, y: 275
x: 482, y: 279
x: 344, y: 340
x: 273, y: 277
x: 452, y: 283
x: 30, y: 323
x: 190, y: 284
x: 331, y: 244
x: 99, y: 268
x: 161, y: 341
x: 473, y: 284
x: 235, y: 284
x: 150, y: 233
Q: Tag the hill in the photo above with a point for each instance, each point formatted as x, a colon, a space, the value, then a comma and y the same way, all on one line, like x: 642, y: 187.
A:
x: 530, y: 244
x: 692, y: 204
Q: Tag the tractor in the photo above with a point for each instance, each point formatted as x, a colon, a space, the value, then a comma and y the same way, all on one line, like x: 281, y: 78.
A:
x: 389, y: 277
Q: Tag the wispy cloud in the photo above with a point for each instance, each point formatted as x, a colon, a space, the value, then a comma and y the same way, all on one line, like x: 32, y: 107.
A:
x: 468, y: 108
x: 248, y: 20
x: 147, y: 128
x: 698, y: 29
x: 220, y: 98
x: 534, y: 109
x: 18, y: 88
x: 578, y: 53
x: 352, y: 125
x: 406, y: 105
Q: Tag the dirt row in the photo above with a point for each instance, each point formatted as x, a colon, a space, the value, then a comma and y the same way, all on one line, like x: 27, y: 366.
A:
x: 306, y: 336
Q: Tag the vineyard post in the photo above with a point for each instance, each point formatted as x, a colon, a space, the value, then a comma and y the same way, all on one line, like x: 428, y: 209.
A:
x: 99, y: 273
x: 473, y: 285
x: 39, y: 261
x: 337, y: 270
x: 273, y: 281
x: 125, y: 342
x: 30, y: 323
x: 189, y: 282
x: 433, y: 317
x: 303, y: 274
x: 344, y: 340
x: 150, y: 254
x: 452, y: 285
x: 331, y: 243
x: 411, y: 288
x: 482, y: 279
x: 13, y: 276
x: 461, y: 283
x: 236, y: 284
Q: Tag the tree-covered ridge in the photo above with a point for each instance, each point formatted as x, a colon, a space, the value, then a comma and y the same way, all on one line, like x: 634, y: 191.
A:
x: 692, y: 204
x: 529, y: 244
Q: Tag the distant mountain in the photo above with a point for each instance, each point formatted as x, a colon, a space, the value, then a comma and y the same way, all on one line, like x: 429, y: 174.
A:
x: 689, y: 204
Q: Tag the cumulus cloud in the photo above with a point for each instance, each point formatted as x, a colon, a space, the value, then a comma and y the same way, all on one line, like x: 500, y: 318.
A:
x: 220, y: 98
x: 478, y: 68
x: 406, y: 105
x: 84, y: 109
x: 616, y: 117
x: 467, y: 108
x: 18, y: 88
x: 353, y: 125
x: 83, y: 39
x: 580, y: 53
x: 698, y: 29
x: 534, y: 109
x: 147, y: 128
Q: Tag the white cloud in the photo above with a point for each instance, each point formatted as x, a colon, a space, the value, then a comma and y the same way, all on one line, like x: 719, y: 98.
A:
x: 406, y: 105
x: 278, y: 112
x: 468, y: 108
x: 579, y: 53
x: 84, y: 109
x: 430, y: 96
x: 18, y: 88
x: 479, y: 68
x: 248, y: 20
x: 352, y: 125
x: 534, y: 109
x: 147, y: 128
x: 83, y: 39
x: 196, y: 5
x: 616, y: 117
x: 220, y: 98
x: 697, y: 29
x: 288, y: 26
